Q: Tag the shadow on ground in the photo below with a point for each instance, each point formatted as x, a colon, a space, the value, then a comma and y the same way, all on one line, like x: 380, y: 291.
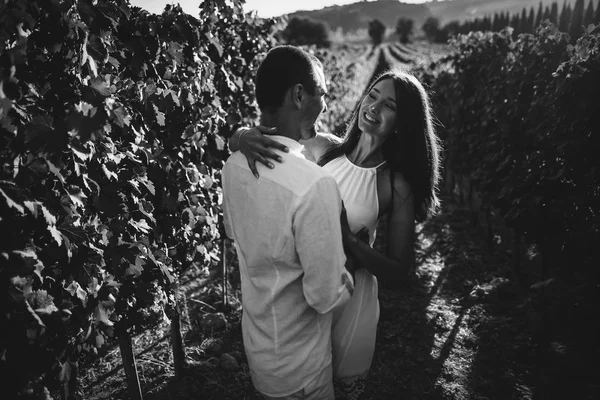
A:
x: 449, y: 335
x: 462, y: 331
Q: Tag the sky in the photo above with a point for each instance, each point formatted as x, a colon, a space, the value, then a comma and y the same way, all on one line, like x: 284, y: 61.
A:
x: 264, y: 8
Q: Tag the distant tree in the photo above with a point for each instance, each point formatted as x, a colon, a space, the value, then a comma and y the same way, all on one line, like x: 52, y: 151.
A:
x: 531, y: 21
x: 452, y: 28
x: 515, y: 23
x: 305, y: 30
x: 539, y: 16
x: 404, y: 28
x: 431, y: 26
x: 524, y: 26
x: 486, y: 24
x: 576, y: 24
x: 496, y: 23
x: 376, y: 31
x: 546, y: 14
x: 597, y: 15
x: 589, y: 14
x: 565, y: 18
x: 554, y: 13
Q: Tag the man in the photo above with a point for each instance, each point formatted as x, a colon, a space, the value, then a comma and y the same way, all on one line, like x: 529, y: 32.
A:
x: 287, y: 231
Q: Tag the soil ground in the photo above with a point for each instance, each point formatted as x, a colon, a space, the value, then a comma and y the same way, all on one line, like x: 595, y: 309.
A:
x: 461, y: 330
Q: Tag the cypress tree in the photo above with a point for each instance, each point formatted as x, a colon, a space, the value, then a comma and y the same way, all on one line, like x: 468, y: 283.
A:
x: 540, y: 14
x: 554, y: 13
x: 523, y: 22
x: 565, y: 18
x: 589, y: 15
x: 597, y: 16
x: 487, y: 22
x: 495, y: 23
x: 514, y: 22
x: 531, y: 20
x: 576, y: 24
x: 546, y: 13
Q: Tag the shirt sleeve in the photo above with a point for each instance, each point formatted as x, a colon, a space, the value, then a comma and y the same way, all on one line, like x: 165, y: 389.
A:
x: 318, y: 238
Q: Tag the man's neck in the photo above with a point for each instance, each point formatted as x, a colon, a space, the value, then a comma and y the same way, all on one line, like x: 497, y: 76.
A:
x: 286, y: 125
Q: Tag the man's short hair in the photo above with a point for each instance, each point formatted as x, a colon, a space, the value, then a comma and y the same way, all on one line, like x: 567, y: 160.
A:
x: 282, y: 68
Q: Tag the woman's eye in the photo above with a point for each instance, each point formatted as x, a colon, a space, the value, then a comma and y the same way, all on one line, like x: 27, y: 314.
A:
x: 371, y: 95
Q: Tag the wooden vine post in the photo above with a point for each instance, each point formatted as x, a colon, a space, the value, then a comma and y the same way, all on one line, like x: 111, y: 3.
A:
x: 177, y: 340
x: 224, y: 270
x: 133, y: 381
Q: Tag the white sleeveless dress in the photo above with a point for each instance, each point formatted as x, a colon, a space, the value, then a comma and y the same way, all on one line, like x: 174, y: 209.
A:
x: 355, y: 324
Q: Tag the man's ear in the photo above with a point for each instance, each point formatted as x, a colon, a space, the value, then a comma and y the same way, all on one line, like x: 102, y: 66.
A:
x: 297, y: 94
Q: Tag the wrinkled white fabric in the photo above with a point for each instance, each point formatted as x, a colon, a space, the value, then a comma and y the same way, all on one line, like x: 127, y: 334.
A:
x: 355, y: 324
x: 286, y: 226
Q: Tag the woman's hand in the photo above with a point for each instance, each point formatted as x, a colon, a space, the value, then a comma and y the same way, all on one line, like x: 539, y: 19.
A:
x: 255, y: 146
x: 363, y: 235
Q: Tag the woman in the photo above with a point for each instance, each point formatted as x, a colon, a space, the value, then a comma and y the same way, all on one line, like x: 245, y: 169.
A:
x: 387, y: 165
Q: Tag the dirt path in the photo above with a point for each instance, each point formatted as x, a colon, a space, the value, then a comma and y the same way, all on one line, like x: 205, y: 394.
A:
x: 454, y: 333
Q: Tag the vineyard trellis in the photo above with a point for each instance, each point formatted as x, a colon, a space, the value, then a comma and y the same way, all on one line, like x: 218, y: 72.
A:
x: 113, y: 130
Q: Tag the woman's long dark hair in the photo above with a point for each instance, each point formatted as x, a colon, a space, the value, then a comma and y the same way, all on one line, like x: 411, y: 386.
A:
x: 413, y: 149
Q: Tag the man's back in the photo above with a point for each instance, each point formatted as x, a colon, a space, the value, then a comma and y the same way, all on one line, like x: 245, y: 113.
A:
x: 287, y: 233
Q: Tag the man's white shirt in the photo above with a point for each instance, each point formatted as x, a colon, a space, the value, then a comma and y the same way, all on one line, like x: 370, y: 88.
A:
x: 286, y: 227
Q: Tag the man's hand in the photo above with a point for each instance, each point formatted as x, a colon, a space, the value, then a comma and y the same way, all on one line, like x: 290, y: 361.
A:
x: 255, y: 146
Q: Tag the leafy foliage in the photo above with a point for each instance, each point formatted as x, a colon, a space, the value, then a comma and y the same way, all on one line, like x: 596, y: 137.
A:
x: 306, y: 31
x: 521, y: 123
x: 112, y: 130
x: 376, y: 31
x: 404, y: 28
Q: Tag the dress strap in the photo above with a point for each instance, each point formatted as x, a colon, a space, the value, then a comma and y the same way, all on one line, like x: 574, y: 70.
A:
x: 380, y: 164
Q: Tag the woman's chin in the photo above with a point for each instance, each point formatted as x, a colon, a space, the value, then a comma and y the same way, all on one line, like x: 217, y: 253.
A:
x: 309, y: 133
x: 365, y: 127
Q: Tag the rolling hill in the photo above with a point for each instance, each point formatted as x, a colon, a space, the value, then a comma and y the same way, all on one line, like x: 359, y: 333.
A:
x: 352, y: 17
x: 355, y: 16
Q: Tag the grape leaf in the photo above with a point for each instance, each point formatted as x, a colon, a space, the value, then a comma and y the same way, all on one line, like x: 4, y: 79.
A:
x: 12, y: 204
x: 76, y: 290
x: 102, y: 314
x: 160, y: 116
x: 137, y: 267
x: 100, y: 86
x: 121, y: 116
x: 55, y: 171
x: 55, y: 233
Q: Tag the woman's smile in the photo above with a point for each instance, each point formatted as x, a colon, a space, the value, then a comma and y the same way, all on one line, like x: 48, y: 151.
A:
x: 378, y: 109
x: 370, y: 119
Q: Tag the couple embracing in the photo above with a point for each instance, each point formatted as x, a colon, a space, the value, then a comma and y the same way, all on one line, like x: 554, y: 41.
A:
x: 309, y: 279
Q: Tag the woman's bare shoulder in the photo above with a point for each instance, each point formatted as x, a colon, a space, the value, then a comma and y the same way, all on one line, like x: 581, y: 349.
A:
x: 321, y: 143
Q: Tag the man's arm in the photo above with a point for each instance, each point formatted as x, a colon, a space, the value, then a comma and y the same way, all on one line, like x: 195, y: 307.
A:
x: 318, y: 238
x: 257, y: 146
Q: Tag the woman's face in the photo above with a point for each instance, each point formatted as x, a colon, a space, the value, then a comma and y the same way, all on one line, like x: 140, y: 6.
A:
x: 377, y: 114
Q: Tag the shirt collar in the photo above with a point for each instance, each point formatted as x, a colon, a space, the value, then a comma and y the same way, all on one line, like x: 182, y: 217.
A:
x: 293, y: 145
